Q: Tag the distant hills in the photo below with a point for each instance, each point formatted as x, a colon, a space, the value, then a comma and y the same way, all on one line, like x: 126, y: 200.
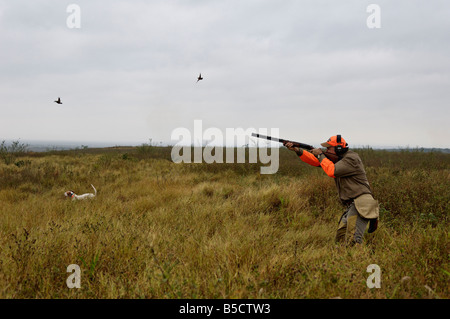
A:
x: 44, y: 146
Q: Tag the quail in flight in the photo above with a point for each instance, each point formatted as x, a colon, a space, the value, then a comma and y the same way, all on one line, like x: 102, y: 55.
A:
x: 58, y: 101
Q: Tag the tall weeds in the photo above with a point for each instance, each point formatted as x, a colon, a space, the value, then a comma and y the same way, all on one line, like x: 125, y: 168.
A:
x: 163, y: 230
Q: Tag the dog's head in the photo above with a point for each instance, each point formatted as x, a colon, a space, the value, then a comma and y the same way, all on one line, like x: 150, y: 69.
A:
x: 69, y: 194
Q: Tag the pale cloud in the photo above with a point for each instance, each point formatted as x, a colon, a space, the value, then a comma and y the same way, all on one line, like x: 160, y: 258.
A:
x: 310, y: 68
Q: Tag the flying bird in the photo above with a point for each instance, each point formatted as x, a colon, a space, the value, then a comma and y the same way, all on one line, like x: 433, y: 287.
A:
x: 199, y: 77
x: 58, y: 101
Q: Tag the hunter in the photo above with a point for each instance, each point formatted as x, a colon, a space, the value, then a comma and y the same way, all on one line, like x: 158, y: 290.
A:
x: 353, y: 188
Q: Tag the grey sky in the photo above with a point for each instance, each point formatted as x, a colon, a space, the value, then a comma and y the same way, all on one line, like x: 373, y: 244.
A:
x: 312, y: 69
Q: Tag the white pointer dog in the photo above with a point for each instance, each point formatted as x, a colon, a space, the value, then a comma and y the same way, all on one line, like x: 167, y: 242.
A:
x: 74, y: 196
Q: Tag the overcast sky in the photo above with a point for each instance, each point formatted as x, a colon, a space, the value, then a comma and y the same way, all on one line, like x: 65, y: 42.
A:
x: 311, y: 69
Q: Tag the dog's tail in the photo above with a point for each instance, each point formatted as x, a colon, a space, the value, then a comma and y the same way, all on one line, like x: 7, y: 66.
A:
x: 95, y: 191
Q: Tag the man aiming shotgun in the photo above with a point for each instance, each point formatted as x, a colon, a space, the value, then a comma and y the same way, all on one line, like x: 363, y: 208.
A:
x: 353, y: 188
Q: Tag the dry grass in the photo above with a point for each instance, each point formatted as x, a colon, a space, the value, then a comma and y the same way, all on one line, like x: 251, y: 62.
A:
x: 164, y: 230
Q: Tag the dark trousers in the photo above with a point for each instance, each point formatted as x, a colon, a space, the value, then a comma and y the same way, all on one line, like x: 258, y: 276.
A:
x: 351, y: 226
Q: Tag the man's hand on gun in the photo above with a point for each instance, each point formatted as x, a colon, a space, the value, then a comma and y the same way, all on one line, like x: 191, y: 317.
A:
x: 291, y: 147
x: 299, y: 151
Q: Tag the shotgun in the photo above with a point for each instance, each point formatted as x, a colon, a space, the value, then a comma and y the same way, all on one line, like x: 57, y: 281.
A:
x: 280, y: 140
x: 332, y: 157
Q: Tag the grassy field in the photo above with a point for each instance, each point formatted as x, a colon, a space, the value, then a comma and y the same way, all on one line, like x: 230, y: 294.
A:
x: 163, y: 230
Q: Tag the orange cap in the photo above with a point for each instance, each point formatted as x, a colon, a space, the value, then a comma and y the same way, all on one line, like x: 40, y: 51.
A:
x: 333, y: 141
